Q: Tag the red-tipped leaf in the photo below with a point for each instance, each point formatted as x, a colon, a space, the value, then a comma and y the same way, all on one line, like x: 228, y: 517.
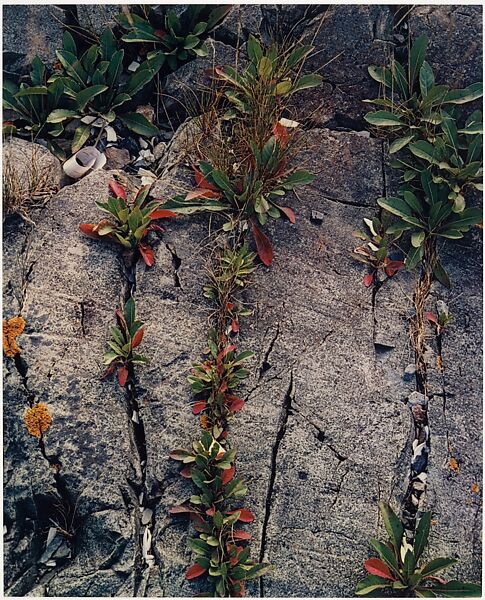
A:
x: 227, y: 475
x: 198, y: 407
x: 122, y: 376
x: 368, y: 279
x: 432, y: 318
x: 147, y: 254
x: 239, y: 534
x: 263, y: 245
x: 280, y: 133
x: 117, y: 189
x: 136, y: 341
x: 201, y: 181
x: 375, y: 566
x: 235, y: 404
x: 162, y: 213
x: 288, y: 213
x: 202, y: 193
x: 89, y: 229
x: 246, y: 515
x: 195, y: 571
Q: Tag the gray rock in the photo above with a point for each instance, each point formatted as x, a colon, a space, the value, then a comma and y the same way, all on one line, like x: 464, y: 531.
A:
x: 97, y: 17
x: 116, y: 158
x: 409, y: 373
x: 29, y: 31
x: 243, y: 20
x: 455, y: 41
x: 182, y: 89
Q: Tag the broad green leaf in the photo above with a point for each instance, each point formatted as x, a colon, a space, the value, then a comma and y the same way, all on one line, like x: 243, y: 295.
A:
x: 442, y: 276
x: 392, y: 524
x: 191, y: 41
x: 129, y: 311
x: 297, y: 178
x: 414, y: 256
x: 265, y: 67
x: 472, y: 92
x: 371, y: 583
x: 424, y: 150
x: 307, y: 81
x: 32, y: 91
x: 199, y: 546
x: 258, y: 571
x: 413, y: 201
x: 85, y: 96
x: 107, y: 44
x: 452, y: 234
x: 400, y: 79
x: 472, y: 129
x: 61, y: 114
x: 68, y: 43
x: 416, y: 59
x: 381, y: 75
x: 115, y: 69
x: 386, y: 554
x: 417, y: 238
x: 426, y: 79
x: 81, y: 136
x: 438, y: 564
x: 457, y: 589
x: 422, y: 534
x: 254, y: 50
x: 463, y: 221
x: 383, y: 118
x: 139, y: 124
x: 400, y: 143
x: 296, y: 56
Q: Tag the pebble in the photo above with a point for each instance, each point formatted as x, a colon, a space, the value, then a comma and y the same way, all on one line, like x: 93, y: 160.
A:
x: 409, y: 373
x: 317, y: 216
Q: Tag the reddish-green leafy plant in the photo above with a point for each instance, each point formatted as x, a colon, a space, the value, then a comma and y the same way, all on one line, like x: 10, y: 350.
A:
x: 400, y: 567
x: 219, y: 547
x: 376, y: 252
x: 129, y: 222
x: 124, y: 339
x: 215, y: 380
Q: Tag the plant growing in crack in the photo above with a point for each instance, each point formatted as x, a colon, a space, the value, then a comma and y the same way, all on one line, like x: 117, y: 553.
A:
x: 129, y: 223
x: 219, y: 549
x: 401, y: 569
x: 124, y: 339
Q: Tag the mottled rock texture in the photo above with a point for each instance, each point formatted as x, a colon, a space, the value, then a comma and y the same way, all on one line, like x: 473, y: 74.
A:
x: 325, y: 431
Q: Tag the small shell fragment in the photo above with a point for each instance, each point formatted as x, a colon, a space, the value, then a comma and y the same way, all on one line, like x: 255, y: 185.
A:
x: 87, y: 159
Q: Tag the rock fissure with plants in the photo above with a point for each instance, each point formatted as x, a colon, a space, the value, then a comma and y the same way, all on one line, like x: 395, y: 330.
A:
x: 438, y: 154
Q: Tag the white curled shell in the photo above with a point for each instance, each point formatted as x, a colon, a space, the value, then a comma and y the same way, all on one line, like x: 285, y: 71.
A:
x: 83, y: 161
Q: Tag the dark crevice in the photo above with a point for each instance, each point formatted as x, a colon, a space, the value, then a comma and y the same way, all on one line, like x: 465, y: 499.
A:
x: 345, y: 202
x: 82, y: 317
x: 266, y: 365
x: 339, y: 487
x: 340, y: 457
x: 176, y: 264
x: 286, y: 410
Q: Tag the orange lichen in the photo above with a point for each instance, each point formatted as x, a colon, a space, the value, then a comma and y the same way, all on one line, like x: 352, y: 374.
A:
x: 37, y: 419
x: 453, y: 465
x: 204, y: 422
x: 439, y: 363
x: 475, y: 488
x: 12, y: 329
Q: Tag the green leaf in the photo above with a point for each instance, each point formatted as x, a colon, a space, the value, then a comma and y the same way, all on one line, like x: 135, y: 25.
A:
x: 386, y: 554
x: 199, y: 546
x: 383, y: 118
x: 307, y: 81
x: 296, y: 56
x: 297, y: 178
x: 463, y: 221
x: 457, y: 589
x: 265, y: 67
x: 129, y: 311
x: 422, y: 534
x: 392, y: 524
x: 424, y: 150
x: 426, y: 79
x: 139, y: 124
x: 438, y: 564
x: 399, y: 76
x: 417, y: 238
x: 191, y: 41
x: 414, y: 257
x: 68, y: 43
x: 32, y: 91
x: 413, y: 202
x: 400, y: 143
x: 258, y: 571
x: 144, y: 74
x: 442, y: 276
x: 416, y: 59
x: 61, y: 114
x: 85, y: 96
x: 381, y: 75
x: 81, y: 136
x: 371, y: 583
x: 468, y: 94
x: 108, y: 44
x: 115, y: 69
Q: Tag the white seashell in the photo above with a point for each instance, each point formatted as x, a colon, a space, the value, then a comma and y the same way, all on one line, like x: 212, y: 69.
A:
x: 288, y: 123
x: 419, y: 486
x: 93, y: 121
x: 143, y: 143
x: 147, y: 542
x: 85, y: 160
x: 110, y: 134
x: 146, y: 516
x: 50, y: 563
x: 133, y: 66
x: 134, y: 417
x: 422, y: 477
x: 51, y: 535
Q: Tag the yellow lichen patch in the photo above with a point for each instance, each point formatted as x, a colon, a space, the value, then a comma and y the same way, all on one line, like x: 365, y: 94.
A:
x: 204, y: 422
x: 439, y: 363
x: 37, y: 419
x: 475, y: 488
x: 12, y: 329
x: 453, y: 465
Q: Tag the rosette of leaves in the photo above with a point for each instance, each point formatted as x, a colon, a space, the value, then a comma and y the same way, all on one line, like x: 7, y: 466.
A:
x: 412, y: 103
x: 427, y: 214
x: 401, y: 569
x: 219, y: 548
x: 124, y: 339
x: 230, y: 275
x: 251, y: 197
x: 96, y: 86
x: 181, y: 37
x: 129, y: 222
x: 377, y: 250
x: 216, y: 379
x: 271, y: 73
x: 32, y: 104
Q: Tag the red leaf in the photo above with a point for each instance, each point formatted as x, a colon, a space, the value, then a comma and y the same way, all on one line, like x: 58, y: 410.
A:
x: 201, y: 181
x: 280, y: 133
x: 178, y: 510
x: 162, y: 213
x: 375, y: 566
x: 147, y: 254
x: 199, y: 407
x: 246, y: 515
x: 239, y: 590
x: 109, y: 370
x: 136, y: 341
x: 202, y: 193
x: 431, y: 317
x: 195, y: 571
x: 118, y: 190
x: 434, y: 578
x: 220, y: 454
x: 160, y: 33
x: 211, y: 511
x: 187, y: 473
x: 227, y: 475
x: 368, y: 279
x: 263, y: 245
x: 89, y: 229
x: 234, y: 326
x: 288, y: 212
x: 223, y: 353
x: 393, y: 266
x: 236, y: 404
x: 122, y: 376
x: 241, y: 535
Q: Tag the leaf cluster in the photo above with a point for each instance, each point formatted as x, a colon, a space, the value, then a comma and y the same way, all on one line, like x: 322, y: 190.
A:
x: 124, y: 339
x: 400, y: 567
x: 128, y: 223
x: 219, y: 548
